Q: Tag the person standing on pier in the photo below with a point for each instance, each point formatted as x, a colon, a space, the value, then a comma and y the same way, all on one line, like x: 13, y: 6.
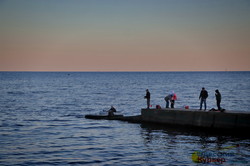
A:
x: 174, y: 97
x: 148, y: 98
x: 218, y: 98
x: 203, y: 97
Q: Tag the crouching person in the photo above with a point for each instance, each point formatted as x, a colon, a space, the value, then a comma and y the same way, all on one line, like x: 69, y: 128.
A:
x: 111, y: 111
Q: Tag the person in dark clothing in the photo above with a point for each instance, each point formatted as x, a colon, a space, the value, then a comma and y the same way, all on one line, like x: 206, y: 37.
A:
x: 203, y: 96
x: 218, y: 98
x: 148, y: 98
x: 111, y: 111
x: 167, y: 99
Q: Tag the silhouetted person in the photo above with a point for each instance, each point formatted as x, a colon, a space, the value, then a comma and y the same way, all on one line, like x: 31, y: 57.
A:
x: 203, y: 96
x: 218, y: 98
x: 111, y: 111
x: 148, y: 98
x: 167, y: 99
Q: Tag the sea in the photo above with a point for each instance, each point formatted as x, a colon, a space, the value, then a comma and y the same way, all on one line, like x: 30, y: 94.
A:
x: 42, y: 119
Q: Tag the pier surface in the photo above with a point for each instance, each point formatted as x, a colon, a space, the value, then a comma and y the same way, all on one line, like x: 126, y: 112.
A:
x: 208, y: 119
x: 232, y: 121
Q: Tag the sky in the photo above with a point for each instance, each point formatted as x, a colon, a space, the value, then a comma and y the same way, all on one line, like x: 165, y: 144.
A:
x: 124, y: 35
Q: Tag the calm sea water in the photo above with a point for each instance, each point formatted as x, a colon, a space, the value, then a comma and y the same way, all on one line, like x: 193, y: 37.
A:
x: 42, y: 118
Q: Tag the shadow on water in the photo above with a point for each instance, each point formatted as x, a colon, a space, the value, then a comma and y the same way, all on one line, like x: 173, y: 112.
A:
x: 194, y: 145
x: 202, y: 132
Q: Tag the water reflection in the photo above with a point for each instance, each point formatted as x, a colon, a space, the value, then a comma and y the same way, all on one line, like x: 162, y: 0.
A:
x: 183, y: 146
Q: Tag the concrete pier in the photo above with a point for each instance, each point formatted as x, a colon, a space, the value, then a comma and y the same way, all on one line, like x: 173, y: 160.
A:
x: 227, y: 122
x: 195, y: 118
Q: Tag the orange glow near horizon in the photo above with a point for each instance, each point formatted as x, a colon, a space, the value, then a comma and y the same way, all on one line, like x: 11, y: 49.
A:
x: 125, y: 36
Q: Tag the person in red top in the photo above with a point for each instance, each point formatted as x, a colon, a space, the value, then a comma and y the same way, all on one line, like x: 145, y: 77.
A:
x: 174, y: 97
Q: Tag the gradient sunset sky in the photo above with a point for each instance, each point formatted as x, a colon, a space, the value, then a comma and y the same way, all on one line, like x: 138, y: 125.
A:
x: 124, y: 35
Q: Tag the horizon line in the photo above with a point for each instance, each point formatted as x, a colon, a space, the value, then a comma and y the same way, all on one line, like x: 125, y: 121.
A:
x: 142, y: 71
